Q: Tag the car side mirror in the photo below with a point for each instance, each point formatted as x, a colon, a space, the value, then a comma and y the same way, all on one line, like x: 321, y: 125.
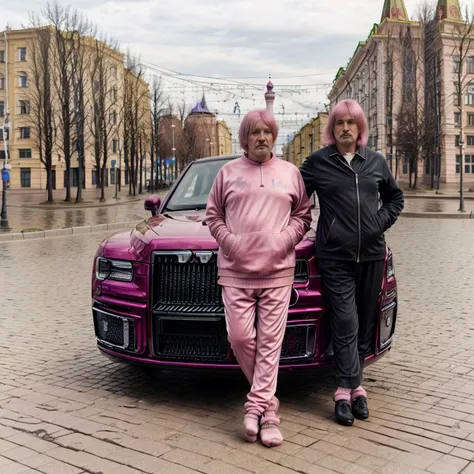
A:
x: 152, y: 204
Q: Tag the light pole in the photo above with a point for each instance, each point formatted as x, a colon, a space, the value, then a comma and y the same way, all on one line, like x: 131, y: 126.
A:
x: 117, y: 178
x: 173, y: 164
x: 6, y: 139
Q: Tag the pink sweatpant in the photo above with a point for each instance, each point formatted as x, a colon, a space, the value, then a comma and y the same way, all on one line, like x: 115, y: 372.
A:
x: 257, y: 347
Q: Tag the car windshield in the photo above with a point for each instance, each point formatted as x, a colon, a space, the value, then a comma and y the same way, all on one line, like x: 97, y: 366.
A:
x: 194, y: 187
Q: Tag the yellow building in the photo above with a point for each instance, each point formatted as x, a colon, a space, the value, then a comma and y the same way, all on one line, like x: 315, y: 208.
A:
x: 17, y: 49
x: 308, y: 139
x: 224, y: 138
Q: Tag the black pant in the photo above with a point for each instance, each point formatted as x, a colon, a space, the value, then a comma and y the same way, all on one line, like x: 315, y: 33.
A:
x: 352, y: 295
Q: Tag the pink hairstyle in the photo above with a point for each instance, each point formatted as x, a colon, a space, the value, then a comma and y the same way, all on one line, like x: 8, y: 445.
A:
x: 250, y: 121
x: 352, y: 109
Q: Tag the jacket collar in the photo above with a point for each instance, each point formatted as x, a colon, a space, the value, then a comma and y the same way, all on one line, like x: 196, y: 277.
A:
x: 361, y: 151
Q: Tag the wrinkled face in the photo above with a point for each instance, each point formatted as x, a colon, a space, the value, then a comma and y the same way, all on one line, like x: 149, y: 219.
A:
x: 346, y: 132
x: 260, y: 142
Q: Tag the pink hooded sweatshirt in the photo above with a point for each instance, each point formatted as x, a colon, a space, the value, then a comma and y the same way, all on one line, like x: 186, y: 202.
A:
x: 257, y: 213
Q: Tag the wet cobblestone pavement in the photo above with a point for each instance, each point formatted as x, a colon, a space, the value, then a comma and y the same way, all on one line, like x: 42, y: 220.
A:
x: 65, y: 409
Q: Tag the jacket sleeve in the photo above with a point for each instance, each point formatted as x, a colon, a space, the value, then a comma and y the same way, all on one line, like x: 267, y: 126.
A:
x: 300, y: 217
x: 215, y: 215
x: 307, y: 172
x: 392, y: 198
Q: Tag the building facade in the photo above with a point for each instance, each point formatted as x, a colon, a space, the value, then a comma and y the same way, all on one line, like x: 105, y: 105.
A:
x: 403, y: 62
x: 308, y: 139
x: 17, y: 73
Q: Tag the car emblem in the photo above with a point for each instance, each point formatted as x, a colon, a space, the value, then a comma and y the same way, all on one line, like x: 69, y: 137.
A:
x: 105, y: 325
x: 204, y: 257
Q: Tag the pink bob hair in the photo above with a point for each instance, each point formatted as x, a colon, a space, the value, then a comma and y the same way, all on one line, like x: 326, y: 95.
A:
x: 250, y: 121
x: 342, y: 109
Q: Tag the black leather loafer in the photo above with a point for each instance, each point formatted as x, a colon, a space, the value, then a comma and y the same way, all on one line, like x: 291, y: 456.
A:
x: 359, y: 408
x: 343, y: 413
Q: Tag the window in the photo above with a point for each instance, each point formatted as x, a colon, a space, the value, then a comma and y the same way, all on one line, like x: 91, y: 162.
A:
x: 113, y: 94
x: 114, y: 72
x: 456, y: 140
x: 458, y: 163
x: 25, y: 132
x: 470, y: 119
x: 405, y: 165
x: 2, y: 56
x: 24, y: 107
x: 2, y: 108
x: 2, y: 83
x: 94, y: 178
x: 114, y: 146
x: 25, y: 152
x: 23, y: 80
x: 456, y: 63
x: 470, y: 65
x: 457, y: 118
x: 25, y: 177
x: 22, y: 54
x: 470, y: 140
x: 456, y: 94
x: 469, y: 164
x: 2, y: 154
x: 1, y: 133
x: 113, y: 117
x: 469, y: 99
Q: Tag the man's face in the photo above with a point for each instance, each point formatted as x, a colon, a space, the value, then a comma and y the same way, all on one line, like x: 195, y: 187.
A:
x: 260, y: 143
x: 346, y: 132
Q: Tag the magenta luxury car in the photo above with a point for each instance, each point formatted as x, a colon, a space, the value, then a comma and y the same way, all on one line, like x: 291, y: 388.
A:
x: 156, y: 301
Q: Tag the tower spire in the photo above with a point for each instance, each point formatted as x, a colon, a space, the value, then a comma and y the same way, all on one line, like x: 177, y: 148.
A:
x: 270, y: 95
x: 394, y: 10
x: 448, y: 10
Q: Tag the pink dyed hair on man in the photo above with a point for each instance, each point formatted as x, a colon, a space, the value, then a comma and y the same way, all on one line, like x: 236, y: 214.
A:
x: 342, y: 109
x: 250, y: 121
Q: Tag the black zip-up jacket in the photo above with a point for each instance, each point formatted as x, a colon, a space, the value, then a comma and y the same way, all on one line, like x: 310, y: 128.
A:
x: 352, y: 222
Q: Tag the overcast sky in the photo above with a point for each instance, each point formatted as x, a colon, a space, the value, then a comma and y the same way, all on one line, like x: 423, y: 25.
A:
x: 301, y: 43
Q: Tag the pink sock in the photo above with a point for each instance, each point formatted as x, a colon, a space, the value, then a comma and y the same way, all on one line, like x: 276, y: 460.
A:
x: 358, y: 392
x: 342, y: 394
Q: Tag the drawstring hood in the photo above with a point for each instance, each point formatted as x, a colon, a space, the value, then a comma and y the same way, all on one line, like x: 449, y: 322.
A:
x: 270, y: 162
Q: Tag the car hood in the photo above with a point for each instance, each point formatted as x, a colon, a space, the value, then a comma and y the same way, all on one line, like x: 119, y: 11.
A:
x: 172, y: 231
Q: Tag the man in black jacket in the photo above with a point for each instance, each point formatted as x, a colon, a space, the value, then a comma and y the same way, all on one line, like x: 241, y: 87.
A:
x: 359, y: 200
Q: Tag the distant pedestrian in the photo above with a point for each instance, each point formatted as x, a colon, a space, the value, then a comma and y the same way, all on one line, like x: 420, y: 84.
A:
x: 359, y: 200
x: 258, y: 211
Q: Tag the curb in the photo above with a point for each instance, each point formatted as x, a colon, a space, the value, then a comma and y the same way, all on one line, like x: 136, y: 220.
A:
x: 44, y: 234
x: 90, y: 229
x: 438, y: 215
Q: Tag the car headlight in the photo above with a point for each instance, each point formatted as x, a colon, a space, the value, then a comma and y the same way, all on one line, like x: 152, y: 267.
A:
x: 390, y: 266
x: 119, y: 270
x: 301, y: 271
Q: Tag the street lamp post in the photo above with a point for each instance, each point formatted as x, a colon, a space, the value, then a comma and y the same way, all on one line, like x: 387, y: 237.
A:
x: 173, y: 164
x: 5, y: 173
x: 6, y: 139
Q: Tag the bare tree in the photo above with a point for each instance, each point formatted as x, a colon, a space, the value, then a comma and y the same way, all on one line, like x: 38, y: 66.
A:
x: 41, y: 94
x: 462, y: 39
x: 158, y: 102
x: 136, y: 112
x: 105, y: 120
x: 64, y: 24
x: 415, y: 128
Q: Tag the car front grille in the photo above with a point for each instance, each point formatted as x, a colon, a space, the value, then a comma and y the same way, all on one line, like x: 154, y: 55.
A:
x: 186, y: 286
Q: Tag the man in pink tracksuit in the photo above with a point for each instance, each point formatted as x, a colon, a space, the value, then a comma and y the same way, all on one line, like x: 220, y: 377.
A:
x: 258, y: 211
